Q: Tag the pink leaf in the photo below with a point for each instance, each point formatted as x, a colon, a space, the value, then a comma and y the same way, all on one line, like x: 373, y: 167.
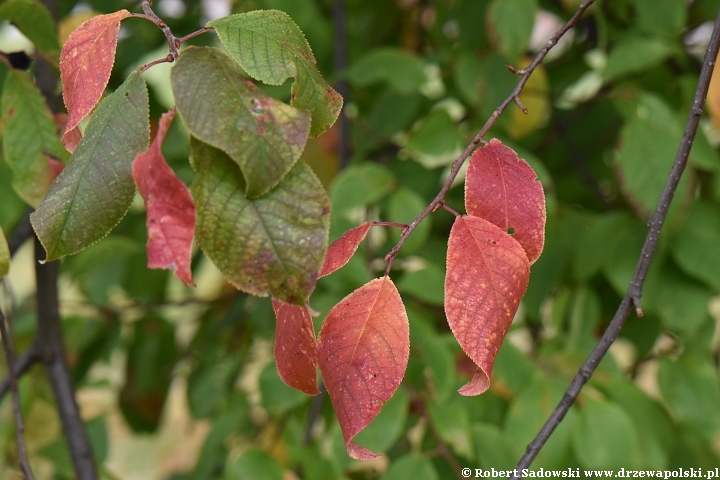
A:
x: 295, y: 347
x: 342, y: 249
x: 487, y: 274
x: 504, y: 190
x: 86, y: 61
x: 170, y: 208
x: 363, y: 350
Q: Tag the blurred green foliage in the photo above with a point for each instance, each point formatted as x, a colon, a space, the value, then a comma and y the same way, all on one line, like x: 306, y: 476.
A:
x: 424, y: 76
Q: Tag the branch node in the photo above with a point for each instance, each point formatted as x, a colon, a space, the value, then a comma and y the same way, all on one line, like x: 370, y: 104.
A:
x: 520, y: 105
x: 515, y: 70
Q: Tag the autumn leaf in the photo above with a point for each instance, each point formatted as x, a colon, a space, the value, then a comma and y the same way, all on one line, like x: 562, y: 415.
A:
x: 170, y: 208
x: 503, y: 189
x: 342, y: 249
x: 95, y: 189
x: 363, y: 350
x: 295, y: 347
x: 271, y: 245
x: 86, y: 60
x: 270, y: 47
x: 487, y: 274
x: 264, y: 136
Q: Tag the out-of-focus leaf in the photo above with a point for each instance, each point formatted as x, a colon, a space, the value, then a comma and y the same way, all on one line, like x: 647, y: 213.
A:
x: 404, y: 206
x: 360, y: 185
x: 426, y: 284
x: 487, y: 274
x: 402, y: 70
x: 433, y: 352
x: 634, y: 54
x: 277, y: 396
x: 411, y: 466
x: 468, y: 72
x: 494, y: 449
x: 271, y: 48
x: 169, y: 208
x: 606, y: 437
x: 509, y: 24
x: 667, y: 21
x: 295, y: 347
x: 387, y: 427
x: 264, y: 136
x: 29, y: 135
x: 691, y: 388
x: 692, y: 242
x: 86, y: 61
x: 211, y: 455
x: 95, y: 190
x: 504, y: 190
x: 33, y: 19
x: 363, y: 350
x: 436, y: 142
x: 256, y: 464
x: 4, y: 255
x: 342, y: 249
x: 151, y: 358
x: 453, y: 425
x: 536, y: 98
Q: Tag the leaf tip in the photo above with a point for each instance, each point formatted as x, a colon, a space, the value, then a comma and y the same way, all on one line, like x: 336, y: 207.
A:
x: 357, y: 452
x: 477, y: 386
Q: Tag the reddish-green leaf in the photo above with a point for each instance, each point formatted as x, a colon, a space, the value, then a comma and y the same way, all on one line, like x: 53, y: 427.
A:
x: 487, y: 274
x: 170, y: 208
x: 29, y: 133
x: 86, y: 61
x: 273, y: 244
x: 363, y: 350
x: 264, y: 136
x: 342, y: 249
x: 271, y: 48
x: 295, y: 347
x: 96, y: 188
x: 504, y: 190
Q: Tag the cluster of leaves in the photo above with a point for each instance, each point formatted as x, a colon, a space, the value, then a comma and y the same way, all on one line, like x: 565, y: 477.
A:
x: 424, y: 78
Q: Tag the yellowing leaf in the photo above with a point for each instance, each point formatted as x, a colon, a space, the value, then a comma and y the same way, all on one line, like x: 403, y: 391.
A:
x: 363, y: 350
x: 487, y: 274
x: 536, y: 98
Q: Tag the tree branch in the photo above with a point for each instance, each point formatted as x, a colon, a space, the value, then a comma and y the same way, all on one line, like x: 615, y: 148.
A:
x: 514, y: 97
x: 632, y: 297
x: 20, y: 367
x: 19, y: 426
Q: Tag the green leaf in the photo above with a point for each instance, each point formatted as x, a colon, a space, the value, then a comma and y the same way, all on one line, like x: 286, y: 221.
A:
x: 510, y: 23
x: 404, y: 206
x: 277, y: 397
x: 4, y: 255
x: 667, y: 21
x: 264, y: 136
x: 698, y: 235
x: 606, y: 437
x: 387, y: 427
x: 411, y: 466
x: 427, y: 284
x: 436, y: 142
x: 272, y: 245
x: 33, y: 19
x: 452, y: 423
x: 29, y: 133
x: 96, y: 188
x: 426, y: 344
x: 494, y: 449
x: 691, y: 389
x: 256, y: 464
x: 402, y: 70
x: 271, y: 48
x: 360, y: 185
x: 635, y: 54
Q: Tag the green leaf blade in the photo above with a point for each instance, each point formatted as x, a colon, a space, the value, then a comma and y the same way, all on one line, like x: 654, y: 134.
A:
x: 271, y: 245
x: 264, y: 136
x: 270, y: 47
x: 4, y: 255
x: 34, y: 20
x: 29, y: 132
x: 95, y: 190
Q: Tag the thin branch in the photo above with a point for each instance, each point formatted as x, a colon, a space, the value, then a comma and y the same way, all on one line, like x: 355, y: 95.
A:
x: 514, y: 97
x: 19, y: 425
x: 632, y: 297
x: 21, y: 366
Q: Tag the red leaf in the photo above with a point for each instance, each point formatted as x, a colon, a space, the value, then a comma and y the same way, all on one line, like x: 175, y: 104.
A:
x: 363, y: 351
x: 86, y: 60
x: 503, y: 189
x: 487, y: 274
x: 170, y: 209
x: 295, y: 347
x: 342, y: 249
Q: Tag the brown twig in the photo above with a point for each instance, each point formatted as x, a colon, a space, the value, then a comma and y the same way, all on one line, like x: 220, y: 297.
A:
x: 514, y: 97
x: 20, y: 367
x: 634, y: 292
x: 19, y: 425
